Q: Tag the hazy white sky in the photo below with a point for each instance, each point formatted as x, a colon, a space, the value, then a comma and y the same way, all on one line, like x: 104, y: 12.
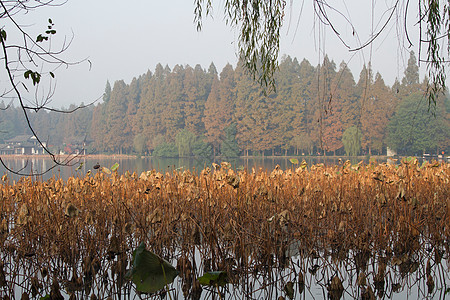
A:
x: 124, y: 39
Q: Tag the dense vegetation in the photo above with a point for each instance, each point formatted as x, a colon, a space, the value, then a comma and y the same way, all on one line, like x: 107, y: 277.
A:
x: 359, y: 229
x: 195, y: 112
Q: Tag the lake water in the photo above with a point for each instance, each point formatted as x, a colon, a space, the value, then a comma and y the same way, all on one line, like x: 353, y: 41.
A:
x: 79, y: 166
x: 36, y: 165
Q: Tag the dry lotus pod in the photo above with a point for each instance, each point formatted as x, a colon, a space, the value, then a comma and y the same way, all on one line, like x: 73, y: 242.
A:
x: 143, y: 176
x: 233, y: 180
x: 24, y: 215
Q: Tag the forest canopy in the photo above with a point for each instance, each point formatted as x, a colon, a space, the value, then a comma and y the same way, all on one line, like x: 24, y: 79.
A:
x: 192, y: 111
x: 196, y: 112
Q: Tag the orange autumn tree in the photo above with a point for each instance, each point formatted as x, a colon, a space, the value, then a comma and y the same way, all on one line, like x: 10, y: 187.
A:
x: 375, y: 115
x: 329, y: 110
x: 245, y: 90
x: 288, y: 109
x: 196, y: 87
x: 219, y: 107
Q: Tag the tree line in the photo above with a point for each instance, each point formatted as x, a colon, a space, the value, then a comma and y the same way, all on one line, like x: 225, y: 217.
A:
x: 313, y: 110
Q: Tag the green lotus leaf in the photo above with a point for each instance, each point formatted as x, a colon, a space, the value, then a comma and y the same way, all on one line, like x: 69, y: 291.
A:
x: 219, y: 278
x: 150, y: 272
x: 115, y: 167
x: 294, y: 161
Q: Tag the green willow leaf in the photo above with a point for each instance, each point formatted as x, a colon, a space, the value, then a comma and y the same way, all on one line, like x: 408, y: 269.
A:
x: 27, y: 74
x: 3, y: 34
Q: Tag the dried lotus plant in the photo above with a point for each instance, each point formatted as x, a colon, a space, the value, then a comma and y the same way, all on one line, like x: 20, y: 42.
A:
x: 378, y: 219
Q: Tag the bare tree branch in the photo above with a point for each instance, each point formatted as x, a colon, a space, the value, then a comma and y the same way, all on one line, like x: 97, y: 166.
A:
x: 26, y: 63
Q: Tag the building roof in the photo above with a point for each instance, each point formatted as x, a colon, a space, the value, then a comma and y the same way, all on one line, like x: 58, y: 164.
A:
x: 20, y: 139
x: 6, y: 149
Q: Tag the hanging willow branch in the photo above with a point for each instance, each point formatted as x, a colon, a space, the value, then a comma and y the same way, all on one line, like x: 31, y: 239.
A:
x: 26, y: 62
x: 437, y: 20
x: 259, y: 23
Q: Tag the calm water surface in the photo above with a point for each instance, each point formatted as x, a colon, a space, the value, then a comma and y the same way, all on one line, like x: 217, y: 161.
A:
x: 138, y: 165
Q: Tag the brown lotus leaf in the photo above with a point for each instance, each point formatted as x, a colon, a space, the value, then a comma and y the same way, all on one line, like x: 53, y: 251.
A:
x: 430, y: 284
x: 155, y: 216
x: 71, y: 211
x: 361, y: 281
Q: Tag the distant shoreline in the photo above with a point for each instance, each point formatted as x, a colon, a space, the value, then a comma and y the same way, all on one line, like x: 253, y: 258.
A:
x: 126, y: 156
x: 218, y: 158
x: 68, y: 156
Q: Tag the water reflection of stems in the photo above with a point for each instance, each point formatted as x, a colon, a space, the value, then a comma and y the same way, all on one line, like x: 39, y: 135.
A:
x: 263, y: 228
